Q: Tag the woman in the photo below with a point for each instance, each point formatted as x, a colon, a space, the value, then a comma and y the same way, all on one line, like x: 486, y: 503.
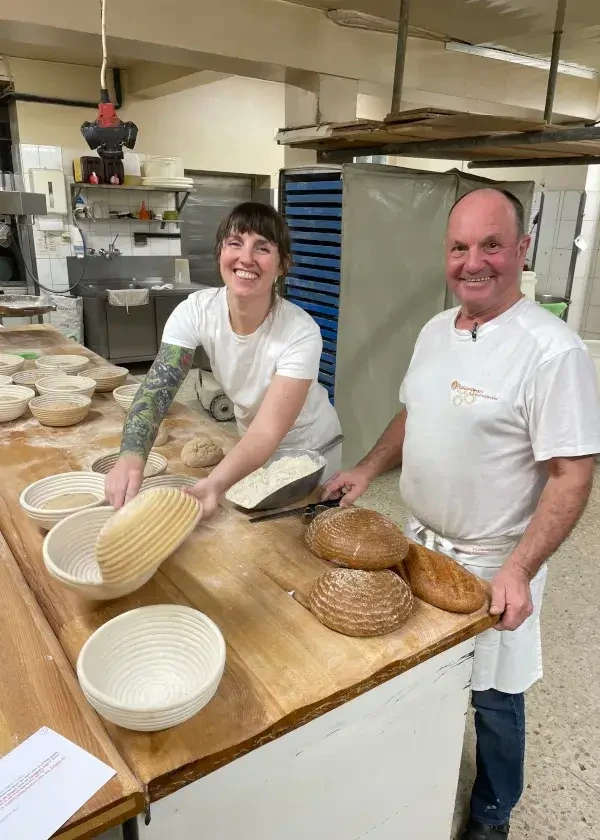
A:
x: 263, y: 350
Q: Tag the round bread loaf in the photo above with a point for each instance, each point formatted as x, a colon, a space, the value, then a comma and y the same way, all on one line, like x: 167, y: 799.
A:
x: 442, y: 582
x: 359, y: 603
x: 357, y: 538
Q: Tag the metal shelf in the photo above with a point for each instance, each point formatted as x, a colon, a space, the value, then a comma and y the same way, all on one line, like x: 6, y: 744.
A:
x: 77, y: 187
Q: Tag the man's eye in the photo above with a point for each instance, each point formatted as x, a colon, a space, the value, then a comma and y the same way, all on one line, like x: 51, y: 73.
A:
x: 458, y: 248
x: 493, y: 245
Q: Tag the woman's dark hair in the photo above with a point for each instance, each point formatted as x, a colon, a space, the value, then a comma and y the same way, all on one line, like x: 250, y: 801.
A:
x: 253, y: 217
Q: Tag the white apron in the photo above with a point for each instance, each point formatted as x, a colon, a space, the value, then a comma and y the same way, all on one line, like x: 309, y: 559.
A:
x: 507, y: 660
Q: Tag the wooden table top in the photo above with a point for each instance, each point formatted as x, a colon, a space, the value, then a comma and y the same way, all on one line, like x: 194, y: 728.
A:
x: 283, y: 667
x: 38, y: 688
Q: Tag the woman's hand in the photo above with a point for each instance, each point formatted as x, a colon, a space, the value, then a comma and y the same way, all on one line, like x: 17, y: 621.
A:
x: 207, y: 494
x: 124, y: 480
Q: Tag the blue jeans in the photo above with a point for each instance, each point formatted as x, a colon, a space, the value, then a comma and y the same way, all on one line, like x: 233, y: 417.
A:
x: 500, y: 728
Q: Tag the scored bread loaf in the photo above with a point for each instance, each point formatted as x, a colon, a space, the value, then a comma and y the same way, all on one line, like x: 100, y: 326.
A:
x: 359, y: 603
x: 357, y: 538
x: 441, y: 581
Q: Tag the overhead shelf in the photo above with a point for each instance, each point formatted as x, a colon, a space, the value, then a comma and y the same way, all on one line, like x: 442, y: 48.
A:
x: 448, y: 135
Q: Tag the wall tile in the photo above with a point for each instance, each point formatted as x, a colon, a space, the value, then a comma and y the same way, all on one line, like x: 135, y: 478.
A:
x: 589, y: 232
x: 159, y: 247
x: 565, y: 234
x: 557, y: 285
x: 548, y: 225
x: 44, y: 271
x: 575, y: 316
x: 579, y: 289
x: 50, y: 157
x: 592, y: 206
x: 559, y: 263
x: 60, y: 274
x: 595, y: 292
x: 175, y: 247
x: 30, y: 157
x: 592, y: 322
x: 570, y: 204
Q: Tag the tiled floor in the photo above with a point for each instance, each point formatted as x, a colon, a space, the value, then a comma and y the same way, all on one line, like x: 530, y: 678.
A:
x: 562, y: 794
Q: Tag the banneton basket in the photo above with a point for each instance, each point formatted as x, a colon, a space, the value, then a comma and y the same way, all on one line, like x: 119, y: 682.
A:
x: 69, y: 553
x: 143, y: 533
x: 10, y: 364
x: 14, y: 400
x: 5, y: 379
x: 29, y: 377
x: 68, y: 364
x: 108, y: 377
x: 60, y: 409
x: 63, y: 488
x: 61, y: 384
x: 178, y: 481
x: 155, y: 465
x: 153, y: 667
x: 125, y: 394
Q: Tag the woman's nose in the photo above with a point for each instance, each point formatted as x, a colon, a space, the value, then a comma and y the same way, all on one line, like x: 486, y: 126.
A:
x: 247, y: 255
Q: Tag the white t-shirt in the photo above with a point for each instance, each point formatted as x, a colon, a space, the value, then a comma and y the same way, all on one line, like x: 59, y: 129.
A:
x: 483, y: 415
x: 288, y: 343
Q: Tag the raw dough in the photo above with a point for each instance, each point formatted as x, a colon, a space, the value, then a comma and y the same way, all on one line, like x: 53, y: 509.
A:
x: 70, y: 500
x: 201, y: 452
x: 162, y: 436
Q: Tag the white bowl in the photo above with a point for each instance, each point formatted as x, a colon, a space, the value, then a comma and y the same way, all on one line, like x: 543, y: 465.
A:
x: 108, y: 377
x: 155, y: 465
x: 34, y: 497
x: 60, y: 384
x: 60, y: 409
x: 125, y: 394
x: 153, y: 667
x: 5, y: 380
x: 14, y: 400
x: 10, y: 364
x: 178, y: 481
x: 29, y: 377
x: 65, y: 364
x: 69, y: 553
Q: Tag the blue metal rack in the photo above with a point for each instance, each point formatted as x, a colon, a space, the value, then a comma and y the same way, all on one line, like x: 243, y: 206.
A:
x: 312, y: 206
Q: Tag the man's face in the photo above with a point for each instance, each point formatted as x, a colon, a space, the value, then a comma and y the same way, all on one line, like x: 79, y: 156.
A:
x: 484, y: 253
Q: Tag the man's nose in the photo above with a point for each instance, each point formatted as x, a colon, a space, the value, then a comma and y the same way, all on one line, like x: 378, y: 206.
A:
x: 474, y: 260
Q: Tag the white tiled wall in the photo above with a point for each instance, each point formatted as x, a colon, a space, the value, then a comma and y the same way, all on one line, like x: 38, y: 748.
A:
x: 587, y: 269
x: 555, y: 240
x: 52, y: 247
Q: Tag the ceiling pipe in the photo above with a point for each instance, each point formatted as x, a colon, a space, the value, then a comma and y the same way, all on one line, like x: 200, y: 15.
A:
x: 401, y: 43
x: 559, y: 22
x: 14, y: 96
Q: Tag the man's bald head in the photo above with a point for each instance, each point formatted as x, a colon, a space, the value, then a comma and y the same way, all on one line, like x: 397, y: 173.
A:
x: 478, y: 196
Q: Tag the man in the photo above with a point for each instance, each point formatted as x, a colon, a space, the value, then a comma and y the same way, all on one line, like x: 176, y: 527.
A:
x: 497, y: 443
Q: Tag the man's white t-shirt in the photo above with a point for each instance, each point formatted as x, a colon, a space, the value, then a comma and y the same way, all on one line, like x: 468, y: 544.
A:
x: 288, y: 343
x: 484, y: 415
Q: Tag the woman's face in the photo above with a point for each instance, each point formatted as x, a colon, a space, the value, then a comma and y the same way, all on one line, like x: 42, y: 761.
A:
x: 249, y: 265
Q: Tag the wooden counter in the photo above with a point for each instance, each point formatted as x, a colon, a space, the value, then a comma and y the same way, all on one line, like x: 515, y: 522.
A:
x: 283, y: 667
x: 38, y: 688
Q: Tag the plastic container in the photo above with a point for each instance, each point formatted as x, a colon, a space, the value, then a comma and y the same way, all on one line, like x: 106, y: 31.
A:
x: 528, y: 284
x: 162, y: 166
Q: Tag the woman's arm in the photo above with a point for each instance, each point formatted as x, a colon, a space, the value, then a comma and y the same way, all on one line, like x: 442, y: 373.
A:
x: 151, y: 403
x: 281, y: 405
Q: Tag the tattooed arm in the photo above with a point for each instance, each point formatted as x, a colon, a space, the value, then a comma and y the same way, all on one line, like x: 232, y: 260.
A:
x: 151, y: 403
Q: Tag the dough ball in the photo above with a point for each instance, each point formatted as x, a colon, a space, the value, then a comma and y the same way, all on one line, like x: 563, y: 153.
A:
x: 201, y: 452
x: 162, y: 436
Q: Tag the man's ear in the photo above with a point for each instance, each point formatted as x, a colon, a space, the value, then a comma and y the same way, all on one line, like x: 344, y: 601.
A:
x: 524, y: 247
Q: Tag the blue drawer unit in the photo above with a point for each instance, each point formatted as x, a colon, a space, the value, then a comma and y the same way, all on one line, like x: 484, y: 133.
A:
x: 312, y: 206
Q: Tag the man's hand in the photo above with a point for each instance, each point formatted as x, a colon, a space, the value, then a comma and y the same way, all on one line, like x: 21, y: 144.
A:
x: 347, y: 485
x: 511, y: 597
x: 207, y: 494
x: 124, y: 480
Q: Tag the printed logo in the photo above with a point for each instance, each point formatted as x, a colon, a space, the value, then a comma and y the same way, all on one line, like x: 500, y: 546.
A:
x: 465, y: 395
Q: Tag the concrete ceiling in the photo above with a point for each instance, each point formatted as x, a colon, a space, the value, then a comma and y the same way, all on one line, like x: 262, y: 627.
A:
x: 522, y: 25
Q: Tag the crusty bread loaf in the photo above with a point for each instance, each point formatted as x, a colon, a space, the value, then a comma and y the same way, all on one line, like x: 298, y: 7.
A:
x: 357, y: 538
x: 359, y: 603
x: 441, y: 581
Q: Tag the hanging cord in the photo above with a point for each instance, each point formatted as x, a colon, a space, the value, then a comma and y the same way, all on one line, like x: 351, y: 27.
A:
x: 104, y: 51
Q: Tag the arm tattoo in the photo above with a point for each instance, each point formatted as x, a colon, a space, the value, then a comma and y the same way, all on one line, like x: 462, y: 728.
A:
x: 155, y: 395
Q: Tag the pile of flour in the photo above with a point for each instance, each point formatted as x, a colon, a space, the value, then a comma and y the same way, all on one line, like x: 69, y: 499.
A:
x: 258, y: 485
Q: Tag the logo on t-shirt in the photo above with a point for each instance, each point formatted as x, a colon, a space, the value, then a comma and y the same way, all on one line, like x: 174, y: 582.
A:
x: 466, y: 395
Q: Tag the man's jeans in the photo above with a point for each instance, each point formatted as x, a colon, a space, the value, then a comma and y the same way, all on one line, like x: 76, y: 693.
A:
x: 500, y: 727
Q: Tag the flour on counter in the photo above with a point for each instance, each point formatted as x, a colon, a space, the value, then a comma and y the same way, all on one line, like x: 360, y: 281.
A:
x: 258, y: 485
